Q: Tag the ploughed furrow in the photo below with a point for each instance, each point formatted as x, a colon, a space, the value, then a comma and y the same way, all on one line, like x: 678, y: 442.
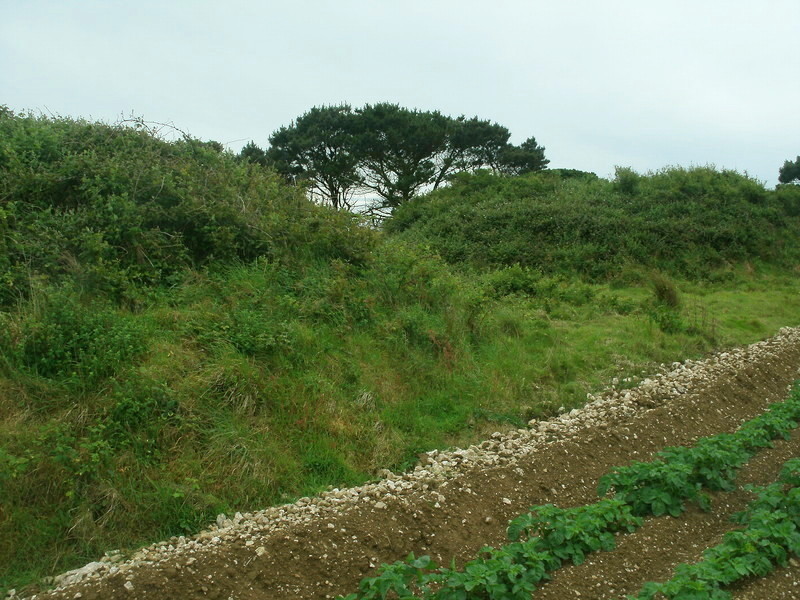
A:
x: 653, y: 551
x: 459, y: 501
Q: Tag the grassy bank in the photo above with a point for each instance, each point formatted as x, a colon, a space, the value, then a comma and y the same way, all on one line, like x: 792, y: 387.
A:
x: 242, y: 391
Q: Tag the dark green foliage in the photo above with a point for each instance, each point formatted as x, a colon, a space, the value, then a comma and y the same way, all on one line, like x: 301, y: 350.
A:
x: 73, y: 342
x: 790, y: 171
x: 545, y: 290
x: 320, y: 148
x: 391, y: 151
x: 686, y: 222
x: 627, y: 181
x: 404, y: 151
x: 788, y: 196
x: 253, y: 153
x: 398, y: 148
x: 142, y: 410
x: 472, y: 144
x: 528, y: 157
x: 112, y: 208
x: 574, y: 174
x: 790, y: 473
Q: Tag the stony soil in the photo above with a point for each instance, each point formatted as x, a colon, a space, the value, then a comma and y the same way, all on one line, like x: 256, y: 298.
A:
x: 455, y: 502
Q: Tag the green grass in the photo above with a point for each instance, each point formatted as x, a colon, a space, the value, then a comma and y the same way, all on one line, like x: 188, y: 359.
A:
x: 211, y: 420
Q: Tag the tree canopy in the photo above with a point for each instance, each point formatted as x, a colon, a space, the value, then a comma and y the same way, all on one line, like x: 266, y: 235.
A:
x: 790, y: 171
x: 253, y: 153
x: 528, y: 157
x: 391, y: 151
x: 319, y: 147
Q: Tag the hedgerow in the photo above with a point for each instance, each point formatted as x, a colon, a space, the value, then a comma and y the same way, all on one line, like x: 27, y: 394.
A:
x: 688, y: 222
x: 114, y: 207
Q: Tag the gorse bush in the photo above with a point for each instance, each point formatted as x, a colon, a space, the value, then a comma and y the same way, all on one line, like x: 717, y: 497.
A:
x: 686, y: 222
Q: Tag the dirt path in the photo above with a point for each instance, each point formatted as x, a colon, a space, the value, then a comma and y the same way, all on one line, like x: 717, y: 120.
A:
x: 462, y: 500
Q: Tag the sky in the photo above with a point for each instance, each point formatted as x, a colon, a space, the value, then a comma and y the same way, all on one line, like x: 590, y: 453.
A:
x: 645, y: 84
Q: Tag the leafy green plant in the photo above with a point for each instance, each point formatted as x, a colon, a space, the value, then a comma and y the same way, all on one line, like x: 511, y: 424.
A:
x: 571, y: 534
x: 399, y: 577
x: 680, y: 474
x: 770, y: 535
x: 655, y: 488
x: 541, y: 541
x: 75, y: 342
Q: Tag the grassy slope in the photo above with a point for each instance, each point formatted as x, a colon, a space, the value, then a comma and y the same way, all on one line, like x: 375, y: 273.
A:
x: 277, y: 350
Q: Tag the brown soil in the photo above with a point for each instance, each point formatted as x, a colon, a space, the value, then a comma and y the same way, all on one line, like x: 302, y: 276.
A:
x: 456, y: 512
x: 652, y: 552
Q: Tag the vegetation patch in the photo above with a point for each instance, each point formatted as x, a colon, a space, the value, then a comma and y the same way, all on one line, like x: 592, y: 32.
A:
x: 184, y: 333
x: 693, y: 223
x: 769, y: 536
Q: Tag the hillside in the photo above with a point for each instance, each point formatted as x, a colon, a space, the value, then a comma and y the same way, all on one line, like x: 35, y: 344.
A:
x: 184, y: 334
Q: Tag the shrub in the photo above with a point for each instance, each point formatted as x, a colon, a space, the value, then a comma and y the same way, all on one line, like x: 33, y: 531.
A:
x: 686, y: 222
x: 665, y: 291
x: 114, y: 207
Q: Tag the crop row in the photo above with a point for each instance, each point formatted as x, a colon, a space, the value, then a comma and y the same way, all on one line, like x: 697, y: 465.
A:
x: 548, y: 536
x: 770, y: 534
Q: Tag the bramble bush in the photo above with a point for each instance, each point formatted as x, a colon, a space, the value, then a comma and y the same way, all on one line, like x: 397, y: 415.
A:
x: 72, y: 341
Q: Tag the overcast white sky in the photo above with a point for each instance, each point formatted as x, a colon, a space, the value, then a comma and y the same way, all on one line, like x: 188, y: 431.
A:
x: 639, y: 83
